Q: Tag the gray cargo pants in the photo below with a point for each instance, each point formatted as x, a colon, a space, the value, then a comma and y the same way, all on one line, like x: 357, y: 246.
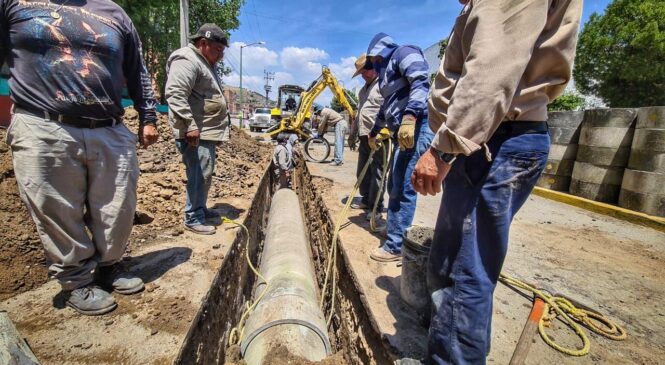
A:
x: 79, y: 185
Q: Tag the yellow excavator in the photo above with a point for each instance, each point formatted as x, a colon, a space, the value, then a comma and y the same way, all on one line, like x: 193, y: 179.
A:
x: 295, y: 124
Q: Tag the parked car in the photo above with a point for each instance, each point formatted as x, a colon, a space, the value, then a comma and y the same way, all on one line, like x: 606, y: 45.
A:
x: 260, y: 120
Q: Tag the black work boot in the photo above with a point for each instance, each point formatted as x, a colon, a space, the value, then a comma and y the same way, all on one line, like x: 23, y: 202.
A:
x: 122, y: 282
x: 90, y: 300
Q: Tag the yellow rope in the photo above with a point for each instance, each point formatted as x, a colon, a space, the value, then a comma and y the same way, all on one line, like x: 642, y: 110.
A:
x: 562, y: 308
x: 238, y: 331
x: 386, y: 160
x: 331, y: 268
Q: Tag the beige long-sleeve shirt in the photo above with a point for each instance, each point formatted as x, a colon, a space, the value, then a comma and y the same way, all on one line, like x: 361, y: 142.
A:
x: 328, y: 117
x: 369, y: 103
x: 505, y: 61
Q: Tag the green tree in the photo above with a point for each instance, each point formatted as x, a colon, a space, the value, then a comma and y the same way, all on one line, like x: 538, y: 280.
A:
x: 157, y: 22
x: 350, y: 96
x: 621, y: 54
x: 567, y: 101
x: 442, y: 47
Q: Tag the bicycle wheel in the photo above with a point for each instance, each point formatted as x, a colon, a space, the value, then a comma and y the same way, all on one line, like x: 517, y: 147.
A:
x: 317, y: 149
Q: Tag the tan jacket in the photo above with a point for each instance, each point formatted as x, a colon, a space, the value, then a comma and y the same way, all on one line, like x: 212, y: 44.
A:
x: 328, y: 117
x: 505, y: 60
x: 369, y: 103
x: 194, y: 95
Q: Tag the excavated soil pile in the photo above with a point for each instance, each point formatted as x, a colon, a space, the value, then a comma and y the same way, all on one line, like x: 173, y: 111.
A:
x: 240, y: 165
x: 21, y: 254
x: 282, y: 356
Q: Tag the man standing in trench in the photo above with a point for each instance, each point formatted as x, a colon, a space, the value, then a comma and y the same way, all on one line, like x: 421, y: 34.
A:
x: 505, y: 61
x: 369, y: 103
x: 75, y: 161
x: 404, y: 84
x: 197, y: 110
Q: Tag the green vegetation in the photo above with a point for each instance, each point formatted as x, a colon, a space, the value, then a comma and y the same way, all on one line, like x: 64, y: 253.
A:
x: 350, y: 96
x: 567, y: 101
x: 157, y: 22
x: 620, y: 55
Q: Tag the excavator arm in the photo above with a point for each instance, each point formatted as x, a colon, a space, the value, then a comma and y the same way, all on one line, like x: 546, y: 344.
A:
x: 295, y: 123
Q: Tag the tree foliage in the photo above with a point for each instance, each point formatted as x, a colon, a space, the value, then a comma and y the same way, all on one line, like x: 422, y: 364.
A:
x: 621, y: 54
x: 566, y: 102
x: 158, y: 24
x: 350, y: 96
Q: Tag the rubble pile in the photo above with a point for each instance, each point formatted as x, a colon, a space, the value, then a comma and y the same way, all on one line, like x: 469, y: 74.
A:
x: 241, y: 162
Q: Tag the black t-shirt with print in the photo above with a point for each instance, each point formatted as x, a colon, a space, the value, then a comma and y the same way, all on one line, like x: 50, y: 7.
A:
x: 75, y: 59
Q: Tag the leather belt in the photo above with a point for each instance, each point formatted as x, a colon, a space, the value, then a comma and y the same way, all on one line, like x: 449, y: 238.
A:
x: 521, y: 127
x: 78, y: 122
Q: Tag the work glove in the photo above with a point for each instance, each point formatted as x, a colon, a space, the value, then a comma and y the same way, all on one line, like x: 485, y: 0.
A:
x: 406, y: 132
x: 374, y: 143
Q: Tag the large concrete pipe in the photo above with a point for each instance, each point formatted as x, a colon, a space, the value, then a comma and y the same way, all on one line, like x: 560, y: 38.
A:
x: 288, y: 315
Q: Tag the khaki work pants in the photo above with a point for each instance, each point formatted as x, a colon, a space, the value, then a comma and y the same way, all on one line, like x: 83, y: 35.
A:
x: 79, y: 185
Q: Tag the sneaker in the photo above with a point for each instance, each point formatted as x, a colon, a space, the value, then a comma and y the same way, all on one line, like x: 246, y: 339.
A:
x: 377, y: 217
x: 381, y: 255
x: 379, y: 227
x: 340, y: 163
x: 408, y: 361
x: 201, y: 229
x: 360, y: 205
x: 116, y: 277
x: 90, y: 300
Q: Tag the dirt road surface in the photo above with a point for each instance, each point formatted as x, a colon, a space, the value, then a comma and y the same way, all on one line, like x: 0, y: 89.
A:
x: 177, y: 266
x: 602, y: 262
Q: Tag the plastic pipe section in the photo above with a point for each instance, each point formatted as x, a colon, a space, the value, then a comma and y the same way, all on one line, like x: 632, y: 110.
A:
x: 289, y: 314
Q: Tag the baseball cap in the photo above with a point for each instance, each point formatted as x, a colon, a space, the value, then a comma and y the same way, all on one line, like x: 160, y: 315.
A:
x: 212, y: 32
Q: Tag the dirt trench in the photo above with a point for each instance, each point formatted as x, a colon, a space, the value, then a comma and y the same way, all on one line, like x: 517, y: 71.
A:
x: 353, y: 334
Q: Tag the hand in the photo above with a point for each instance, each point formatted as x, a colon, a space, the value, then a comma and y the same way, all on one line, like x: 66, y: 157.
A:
x: 372, y: 143
x: 429, y: 173
x: 192, y: 137
x: 406, y: 132
x: 148, y: 134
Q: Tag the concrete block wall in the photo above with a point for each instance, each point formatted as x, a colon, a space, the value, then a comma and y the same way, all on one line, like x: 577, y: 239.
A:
x: 615, y: 156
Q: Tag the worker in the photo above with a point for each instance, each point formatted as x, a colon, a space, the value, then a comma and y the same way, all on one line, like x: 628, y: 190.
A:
x: 75, y: 161
x: 197, y: 111
x: 489, y: 109
x: 369, y: 103
x: 281, y: 161
x: 326, y: 117
x: 290, y: 103
x: 404, y: 84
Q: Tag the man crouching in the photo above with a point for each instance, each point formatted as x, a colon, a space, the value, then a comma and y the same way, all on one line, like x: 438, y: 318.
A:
x: 197, y: 109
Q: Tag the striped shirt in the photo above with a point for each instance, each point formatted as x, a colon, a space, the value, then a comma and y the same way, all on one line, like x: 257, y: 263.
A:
x: 403, y: 82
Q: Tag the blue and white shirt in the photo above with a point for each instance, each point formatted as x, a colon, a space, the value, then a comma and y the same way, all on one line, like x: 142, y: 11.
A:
x: 403, y: 82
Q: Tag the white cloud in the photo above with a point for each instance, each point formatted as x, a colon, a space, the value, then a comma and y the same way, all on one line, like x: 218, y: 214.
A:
x: 292, y: 65
x: 254, y: 58
x: 303, y: 62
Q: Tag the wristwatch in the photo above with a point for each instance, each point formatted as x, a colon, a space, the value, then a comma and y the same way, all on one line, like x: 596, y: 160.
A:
x: 448, y: 158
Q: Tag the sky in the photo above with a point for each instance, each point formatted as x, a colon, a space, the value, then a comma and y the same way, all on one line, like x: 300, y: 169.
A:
x: 301, y: 36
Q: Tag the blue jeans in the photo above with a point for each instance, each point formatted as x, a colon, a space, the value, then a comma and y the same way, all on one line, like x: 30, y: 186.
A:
x: 199, y: 165
x: 480, y: 199
x: 340, y: 133
x: 402, y: 203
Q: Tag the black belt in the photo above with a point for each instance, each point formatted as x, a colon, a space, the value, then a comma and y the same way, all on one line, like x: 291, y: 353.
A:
x: 514, y: 128
x: 78, y: 122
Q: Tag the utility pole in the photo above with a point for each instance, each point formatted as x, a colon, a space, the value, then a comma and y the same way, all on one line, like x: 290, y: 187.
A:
x: 184, y: 23
x: 268, y: 76
x: 242, y: 106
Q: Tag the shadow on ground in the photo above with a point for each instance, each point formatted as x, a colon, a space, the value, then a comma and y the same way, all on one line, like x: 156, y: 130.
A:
x: 149, y: 267
x: 410, y: 337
